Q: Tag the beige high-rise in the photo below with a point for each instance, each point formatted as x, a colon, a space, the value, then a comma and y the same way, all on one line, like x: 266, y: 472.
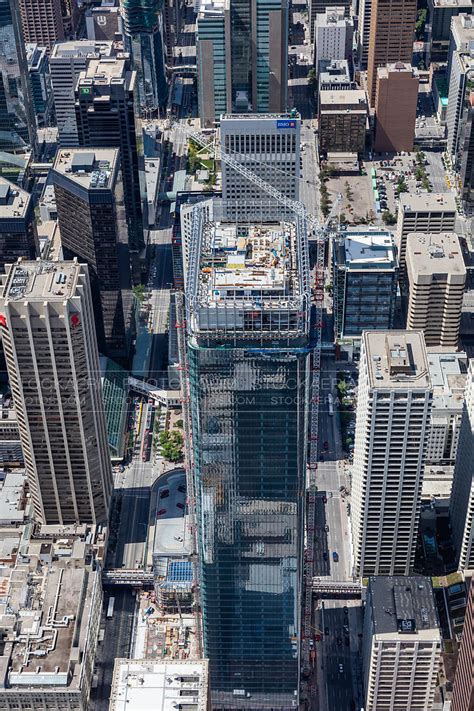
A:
x: 48, y: 333
x: 436, y: 279
x: 391, y: 38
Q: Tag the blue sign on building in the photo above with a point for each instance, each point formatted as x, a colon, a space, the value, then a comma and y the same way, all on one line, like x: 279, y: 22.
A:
x: 286, y: 123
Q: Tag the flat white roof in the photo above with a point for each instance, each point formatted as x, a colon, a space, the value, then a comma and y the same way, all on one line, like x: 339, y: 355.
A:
x: 146, y: 685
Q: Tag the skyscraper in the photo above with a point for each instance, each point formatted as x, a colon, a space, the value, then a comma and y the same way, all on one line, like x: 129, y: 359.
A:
x: 401, y: 644
x: 67, y: 61
x: 395, y: 108
x: 42, y: 22
x: 242, y: 57
x: 269, y: 146
x: 143, y: 34
x: 318, y: 7
x: 17, y: 116
x: 462, y: 496
x: 393, y: 417
x: 365, y: 13
x: 460, y: 72
x: 50, y: 348
x: 429, y: 212
x: 463, y: 689
x: 91, y: 215
x: 392, y: 27
x: 436, y: 280
x: 18, y: 234
x: 333, y: 35
x: 105, y: 117
x: 247, y: 318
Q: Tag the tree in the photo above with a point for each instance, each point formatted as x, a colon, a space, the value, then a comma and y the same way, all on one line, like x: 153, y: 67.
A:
x: 388, y: 218
x: 420, y: 23
x: 139, y: 292
x: 312, y: 80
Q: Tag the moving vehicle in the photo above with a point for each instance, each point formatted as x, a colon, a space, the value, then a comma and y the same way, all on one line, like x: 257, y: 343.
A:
x: 110, y: 608
x: 331, y: 404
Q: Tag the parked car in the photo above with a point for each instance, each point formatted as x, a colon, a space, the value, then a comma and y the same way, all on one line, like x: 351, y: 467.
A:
x: 335, y: 557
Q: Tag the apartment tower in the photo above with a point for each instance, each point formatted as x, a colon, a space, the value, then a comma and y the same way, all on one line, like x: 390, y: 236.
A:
x: 48, y: 334
x: 392, y: 26
x: 401, y: 644
x: 319, y: 7
x: 392, y: 426
x: 67, y: 61
x: 247, y: 318
x: 269, y: 146
x: 42, y: 22
x: 18, y: 234
x: 436, y: 280
x: 91, y: 214
x: 462, y: 495
x: 105, y: 114
x: 463, y: 690
x: 429, y: 212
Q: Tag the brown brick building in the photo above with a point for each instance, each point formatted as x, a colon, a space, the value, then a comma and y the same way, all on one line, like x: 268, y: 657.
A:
x: 391, y: 37
x: 395, y: 107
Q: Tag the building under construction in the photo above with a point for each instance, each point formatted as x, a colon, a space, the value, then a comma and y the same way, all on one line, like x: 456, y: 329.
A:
x: 247, y: 321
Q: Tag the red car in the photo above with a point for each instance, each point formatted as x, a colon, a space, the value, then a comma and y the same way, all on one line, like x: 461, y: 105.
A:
x: 161, y: 512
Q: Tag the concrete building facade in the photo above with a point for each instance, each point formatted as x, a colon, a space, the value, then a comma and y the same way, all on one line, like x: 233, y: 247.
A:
x: 392, y: 26
x: 363, y: 31
x: 67, y: 61
x: 396, y: 100
x: 401, y: 644
x: 429, y: 212
x: 462, y: 497
x: 448, y: 373
x: 269, y: 146
x: 463, y: 689
x: 319, y: 7
x: 392, y: 425
x: 436, y: 280
x: 460, y: 76
x: 50, y: 346
x: 333, y: 35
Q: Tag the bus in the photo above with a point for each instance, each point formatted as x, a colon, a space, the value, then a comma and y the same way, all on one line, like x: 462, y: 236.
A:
x: 110, y: 608
x: 331, y: 404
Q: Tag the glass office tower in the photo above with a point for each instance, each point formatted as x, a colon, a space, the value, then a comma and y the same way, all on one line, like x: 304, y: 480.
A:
x: 143, y: 33
x: 247, y: 303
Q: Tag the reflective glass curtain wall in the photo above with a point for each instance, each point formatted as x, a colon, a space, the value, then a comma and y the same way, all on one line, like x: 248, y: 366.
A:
x: 249, y: 425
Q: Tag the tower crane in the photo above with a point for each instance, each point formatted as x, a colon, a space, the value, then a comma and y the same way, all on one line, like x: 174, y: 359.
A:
x: 321, y: 233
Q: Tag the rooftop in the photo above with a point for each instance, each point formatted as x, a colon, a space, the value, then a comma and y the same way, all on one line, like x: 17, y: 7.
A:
x: 403, y: 606
x: 211, y: 7
x: 171, y: 531
x: 448, y: 372
x: 12, y: 491
x: 35, y: 281
x: 346, y: 97
x: 81, y: 48
x: 427, y: 202
x: 396, y: 360
x: 428, y: 254
x: 396, y: 68
x: 369, y: 248
x: 92, y: 169
x: 14, y: 202
x: 146, y: 685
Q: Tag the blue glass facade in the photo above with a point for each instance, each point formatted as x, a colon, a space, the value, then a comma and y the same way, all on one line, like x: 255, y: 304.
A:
x: 248, y: 353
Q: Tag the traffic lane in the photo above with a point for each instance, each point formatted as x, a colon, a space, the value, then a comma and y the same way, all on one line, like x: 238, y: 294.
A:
x: 337, y: 652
